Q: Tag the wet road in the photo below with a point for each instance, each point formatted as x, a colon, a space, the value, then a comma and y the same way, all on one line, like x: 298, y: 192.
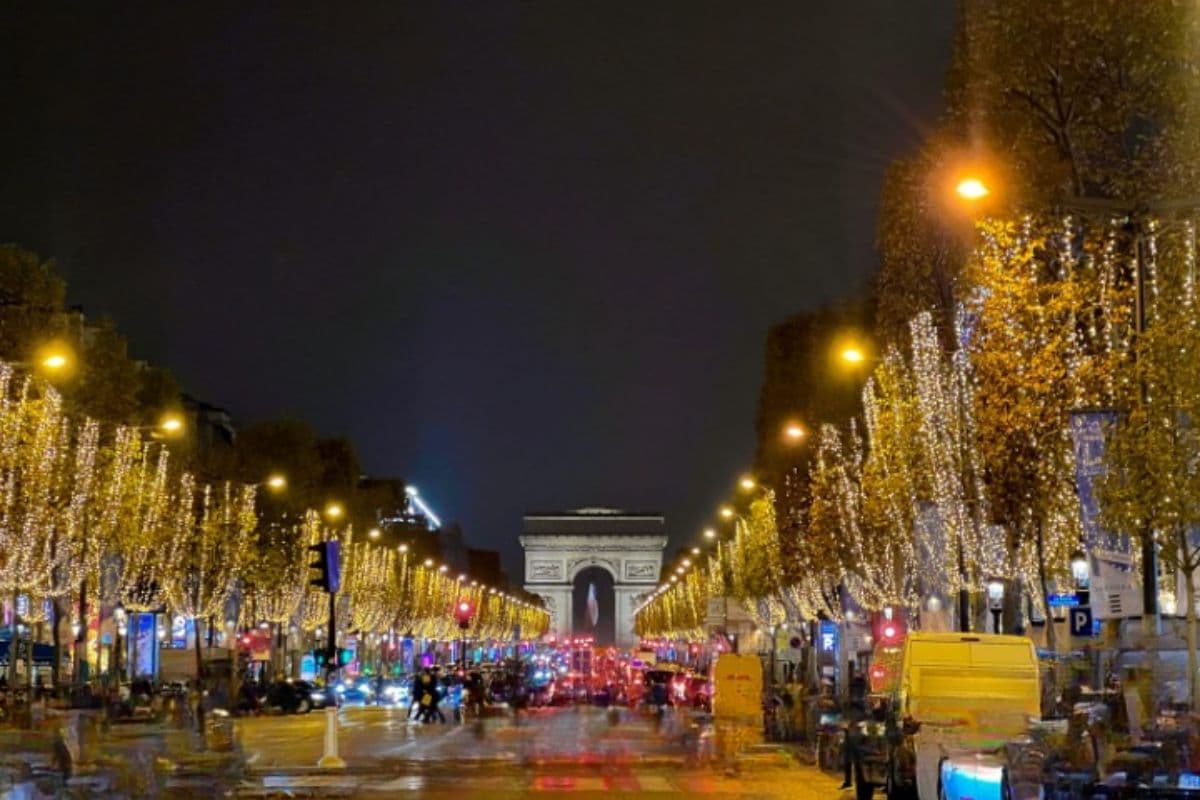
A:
x: 578, y: 751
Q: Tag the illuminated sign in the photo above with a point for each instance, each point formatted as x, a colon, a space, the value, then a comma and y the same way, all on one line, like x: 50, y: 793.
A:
x: 828, y: 636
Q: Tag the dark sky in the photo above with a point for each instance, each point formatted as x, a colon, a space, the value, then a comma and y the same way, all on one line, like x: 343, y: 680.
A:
x: 525, y: 255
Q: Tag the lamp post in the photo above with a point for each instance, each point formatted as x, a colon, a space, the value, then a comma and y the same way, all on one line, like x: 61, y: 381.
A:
x: 995, y: 595
x: 120, y: 620
x: 1081, y: 572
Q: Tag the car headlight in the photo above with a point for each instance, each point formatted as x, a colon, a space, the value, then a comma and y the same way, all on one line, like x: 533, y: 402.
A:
x: 339, y: 689
x: 318, y: 696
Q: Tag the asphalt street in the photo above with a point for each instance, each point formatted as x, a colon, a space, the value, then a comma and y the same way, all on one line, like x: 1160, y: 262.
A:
x: 580, y: 751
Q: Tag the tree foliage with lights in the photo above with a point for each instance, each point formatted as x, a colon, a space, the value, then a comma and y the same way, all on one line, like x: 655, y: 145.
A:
x: 1036, y: 356
x: 1153, y: 478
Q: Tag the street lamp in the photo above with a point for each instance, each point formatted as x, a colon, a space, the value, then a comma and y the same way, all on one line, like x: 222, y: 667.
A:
x: 853, y: 355
x: 710, y: 534
x: 995, y: 593
x: 793, y: 433
x: 276, y: 482
x: 747, y: 483
x: 727, y: 512
x: 54, y: 359
x: 171, y: 424
x: 971, y: 188
x: 334, y: 511
x: 1081, y: 571
x: 373, y: 533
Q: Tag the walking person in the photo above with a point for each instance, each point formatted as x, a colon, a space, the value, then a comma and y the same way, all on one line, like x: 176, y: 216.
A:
x: 426, y: 697
x: 856, y: 712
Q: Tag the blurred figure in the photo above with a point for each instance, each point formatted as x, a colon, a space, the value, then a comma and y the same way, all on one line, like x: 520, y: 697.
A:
x: 856, y: 712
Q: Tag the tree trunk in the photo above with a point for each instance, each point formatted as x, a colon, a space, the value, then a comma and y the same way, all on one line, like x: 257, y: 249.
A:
x: 56, y: 638
x: 13, y: 638
x: 199, y: 681
x: 81, y: 639
x: 1193, y: 683
x: 1051, y: 633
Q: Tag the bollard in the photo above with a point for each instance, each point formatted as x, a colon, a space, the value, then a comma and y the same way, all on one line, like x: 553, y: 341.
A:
x: 331, y: 760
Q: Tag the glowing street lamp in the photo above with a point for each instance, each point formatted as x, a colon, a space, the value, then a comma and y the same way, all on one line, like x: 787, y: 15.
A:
x: 727, y: 512
x: 276, y: 482
x: 747, y: 483
x: 373, y: 533
x: 334, y: 511
x: 853, y: 355
x: 54, y: 359
x: 971, y: 189
x: 710, y: 534
x: 794, y: 433
x: 171, y: 424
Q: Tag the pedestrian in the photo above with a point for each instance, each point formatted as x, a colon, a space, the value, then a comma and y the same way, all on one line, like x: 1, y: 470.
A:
x: 414, y: 697
x: 784, y: 714
x: 426, y: 697
x: 852, y: 746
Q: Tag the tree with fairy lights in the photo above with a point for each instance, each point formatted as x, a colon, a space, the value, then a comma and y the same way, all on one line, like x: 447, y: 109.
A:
x: 1031, y: 367
x: 892, y: 481
x: 1153, y: 476
x: 212, y: 531
x: 276, y: 576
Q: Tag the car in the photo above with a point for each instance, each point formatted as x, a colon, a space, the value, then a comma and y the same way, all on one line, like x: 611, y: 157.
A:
x: 357, y: 691
x: 395, y: 692
x: 296, y: 697
x: 318, y: 697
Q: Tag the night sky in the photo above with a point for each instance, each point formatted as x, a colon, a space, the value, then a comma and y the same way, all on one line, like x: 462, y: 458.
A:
x: 525, y: 255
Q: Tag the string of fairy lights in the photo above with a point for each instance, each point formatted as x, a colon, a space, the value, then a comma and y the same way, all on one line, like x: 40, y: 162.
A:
x: 104, y: 513
x: 962, y: 470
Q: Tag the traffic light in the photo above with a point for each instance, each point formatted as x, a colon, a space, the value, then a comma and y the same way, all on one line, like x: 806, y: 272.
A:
x: 464, y: 610
x: 889, y: 629
x: 326, y: 563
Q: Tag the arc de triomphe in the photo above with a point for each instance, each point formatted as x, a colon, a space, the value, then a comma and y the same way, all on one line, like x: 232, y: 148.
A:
x: 593, y: 567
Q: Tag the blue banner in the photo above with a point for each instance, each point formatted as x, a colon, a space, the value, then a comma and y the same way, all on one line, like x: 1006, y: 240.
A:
x: 143, y: 644
x: 1088, y: 432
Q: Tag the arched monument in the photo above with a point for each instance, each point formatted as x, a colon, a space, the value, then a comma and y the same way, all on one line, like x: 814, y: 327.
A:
x: 593, y: 567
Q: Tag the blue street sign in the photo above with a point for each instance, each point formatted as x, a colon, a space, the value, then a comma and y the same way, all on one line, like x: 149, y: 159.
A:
x: 1081, y: 621
x: 1064, y: 600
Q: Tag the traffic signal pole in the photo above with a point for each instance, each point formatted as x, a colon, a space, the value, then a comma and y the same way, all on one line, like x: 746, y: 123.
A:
x: 331, y: 653
x: 328, y: 579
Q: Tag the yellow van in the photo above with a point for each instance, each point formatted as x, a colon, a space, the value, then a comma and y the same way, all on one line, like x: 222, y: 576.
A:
x: 946, y: 694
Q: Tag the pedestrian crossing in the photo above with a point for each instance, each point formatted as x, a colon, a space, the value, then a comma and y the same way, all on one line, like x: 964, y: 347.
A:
x: 796, y: 783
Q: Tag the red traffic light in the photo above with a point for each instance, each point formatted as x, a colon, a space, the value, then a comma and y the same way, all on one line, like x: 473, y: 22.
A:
x: 890, y: 629
x: 463, y: 611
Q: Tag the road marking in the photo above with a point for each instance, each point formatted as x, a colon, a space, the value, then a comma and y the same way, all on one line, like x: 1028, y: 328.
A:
x: 655, y: 783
